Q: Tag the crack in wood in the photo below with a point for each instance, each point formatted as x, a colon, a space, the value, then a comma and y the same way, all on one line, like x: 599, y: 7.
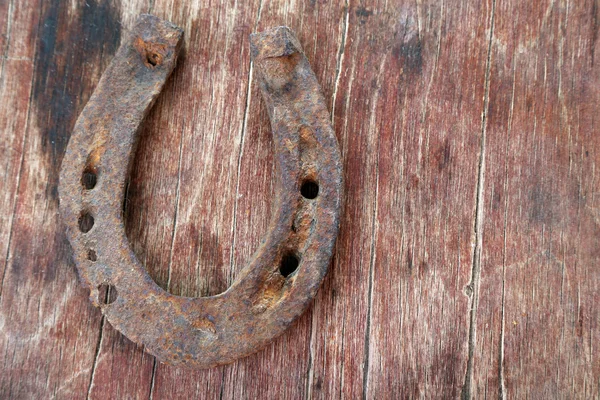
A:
x: 176, y: 212
x: 153, y: 379
x: 97, y: 353
x: 241, y: 154
x: 478, y: 228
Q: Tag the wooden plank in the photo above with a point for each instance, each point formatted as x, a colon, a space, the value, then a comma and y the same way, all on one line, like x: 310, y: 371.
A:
x: 537, y: 321
x: 17, y: 43
x: 49, y: 330
x: 427, y: 130
x: 457, y: 271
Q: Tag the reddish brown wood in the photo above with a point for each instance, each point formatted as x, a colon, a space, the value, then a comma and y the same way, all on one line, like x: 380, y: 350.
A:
x: 537, y: 321
x: 52, y: 59
x: 424, y: 216
x: 468, y: 256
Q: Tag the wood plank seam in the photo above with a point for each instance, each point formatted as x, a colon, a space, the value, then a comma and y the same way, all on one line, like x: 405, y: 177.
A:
x: 96, y: 355
x: 478, y: 228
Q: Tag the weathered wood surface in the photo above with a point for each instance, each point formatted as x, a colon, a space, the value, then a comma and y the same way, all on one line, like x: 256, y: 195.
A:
x: 468, y: 261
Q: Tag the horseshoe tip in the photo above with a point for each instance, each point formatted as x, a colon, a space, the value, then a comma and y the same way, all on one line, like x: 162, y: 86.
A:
x: 275, y: 42
x: 156, y: 40
x: 153, y: 28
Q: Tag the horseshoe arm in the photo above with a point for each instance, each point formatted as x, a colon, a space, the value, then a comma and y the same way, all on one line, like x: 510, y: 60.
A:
x: 269, y: 293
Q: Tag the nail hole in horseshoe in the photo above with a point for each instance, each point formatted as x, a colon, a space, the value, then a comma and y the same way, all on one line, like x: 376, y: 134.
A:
x: 309, y: 189
x: 150, y: 52
x: 152, y: 58
x: 91, y: 255
x: 89, y: 178
x: 107, y: 294
x: 86, y: 222
x: 289, y: 264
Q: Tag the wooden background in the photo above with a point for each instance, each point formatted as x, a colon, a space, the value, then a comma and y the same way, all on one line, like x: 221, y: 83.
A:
x: 468, y: 261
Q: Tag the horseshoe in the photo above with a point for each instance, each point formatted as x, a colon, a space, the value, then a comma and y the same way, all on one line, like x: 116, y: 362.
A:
x: 283, y: 275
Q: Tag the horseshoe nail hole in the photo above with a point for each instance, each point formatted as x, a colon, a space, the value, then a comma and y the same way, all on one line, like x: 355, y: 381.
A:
x: 288, y: 265
x: 107, y: 294
x: 91, y: 255
x: 152, y: 53
x: 89, y: 178
x: 86, y: 222
x: 153, y: 59
x: 309, y: 189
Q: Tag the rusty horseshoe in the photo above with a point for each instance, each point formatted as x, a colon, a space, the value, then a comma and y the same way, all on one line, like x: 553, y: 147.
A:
x: 283, y: 275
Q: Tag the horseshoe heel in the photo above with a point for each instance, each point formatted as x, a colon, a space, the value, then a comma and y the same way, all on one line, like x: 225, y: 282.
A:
x: 284, y: 273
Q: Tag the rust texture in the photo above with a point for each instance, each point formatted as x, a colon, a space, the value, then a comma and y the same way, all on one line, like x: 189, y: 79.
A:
x: 284, y: 273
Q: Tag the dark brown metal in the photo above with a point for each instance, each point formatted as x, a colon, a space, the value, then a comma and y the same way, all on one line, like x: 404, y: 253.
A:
x: 285, y: 272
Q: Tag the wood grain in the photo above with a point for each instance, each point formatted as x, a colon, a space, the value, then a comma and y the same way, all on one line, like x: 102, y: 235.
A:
x: 537, y: 321
x: 467, y: 262
x: 425, y: 205
x: 49, y: 331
